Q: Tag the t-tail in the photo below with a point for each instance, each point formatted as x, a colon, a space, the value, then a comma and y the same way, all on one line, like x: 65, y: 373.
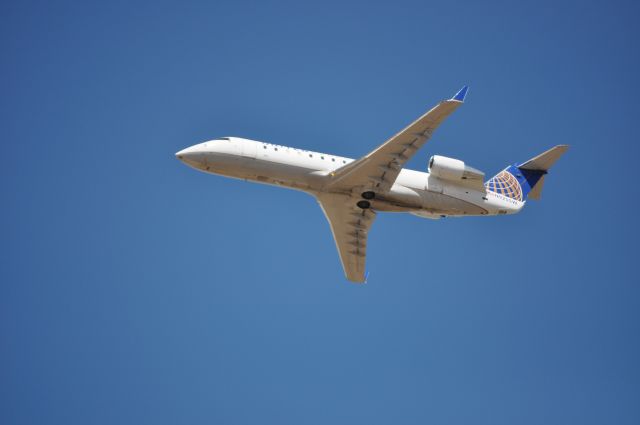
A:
x: 522, y: 181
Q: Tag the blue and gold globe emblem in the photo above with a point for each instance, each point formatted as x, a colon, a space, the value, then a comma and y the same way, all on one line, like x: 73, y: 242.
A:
x: 505, y: 184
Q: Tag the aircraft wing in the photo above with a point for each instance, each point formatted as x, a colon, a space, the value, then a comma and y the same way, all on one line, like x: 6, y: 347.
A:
x: 350, y: 226
x: 378, y: 170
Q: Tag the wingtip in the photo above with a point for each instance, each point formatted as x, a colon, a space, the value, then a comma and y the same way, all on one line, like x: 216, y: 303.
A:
x: 462, y: 93
x: 560, y: 148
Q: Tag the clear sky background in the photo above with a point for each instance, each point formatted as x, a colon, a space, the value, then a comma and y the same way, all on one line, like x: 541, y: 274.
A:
x: 135, y: 290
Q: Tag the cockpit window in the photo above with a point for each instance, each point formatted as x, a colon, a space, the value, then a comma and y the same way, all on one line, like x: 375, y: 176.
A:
x: 222, y: 138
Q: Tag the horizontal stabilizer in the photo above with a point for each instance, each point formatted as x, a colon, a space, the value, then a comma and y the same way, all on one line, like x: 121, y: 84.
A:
x: 545, y: 160
x: 534, y: 170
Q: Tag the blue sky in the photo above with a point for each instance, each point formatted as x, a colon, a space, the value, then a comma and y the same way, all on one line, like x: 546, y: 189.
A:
x: 136, y: 290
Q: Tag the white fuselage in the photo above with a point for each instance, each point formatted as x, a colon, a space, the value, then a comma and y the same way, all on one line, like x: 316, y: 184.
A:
x: 415, y: 192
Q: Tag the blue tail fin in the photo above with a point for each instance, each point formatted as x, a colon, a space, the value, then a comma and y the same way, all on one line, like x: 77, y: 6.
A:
x: 514, y: 183
x: 519, y: 180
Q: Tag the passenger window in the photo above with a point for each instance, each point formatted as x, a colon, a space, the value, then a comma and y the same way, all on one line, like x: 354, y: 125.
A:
x: 310, y: 156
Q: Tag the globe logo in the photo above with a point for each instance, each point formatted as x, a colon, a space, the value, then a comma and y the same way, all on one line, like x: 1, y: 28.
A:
x: 505, y: 184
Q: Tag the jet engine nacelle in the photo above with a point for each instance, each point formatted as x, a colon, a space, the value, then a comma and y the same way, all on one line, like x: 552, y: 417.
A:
x: 453, y: 169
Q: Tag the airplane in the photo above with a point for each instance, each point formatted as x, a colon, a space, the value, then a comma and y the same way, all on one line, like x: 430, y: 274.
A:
x: 351, y: 192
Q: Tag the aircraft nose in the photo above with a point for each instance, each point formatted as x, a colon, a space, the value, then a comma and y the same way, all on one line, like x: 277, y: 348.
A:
x: 192, y: 156
x: 184, y: 154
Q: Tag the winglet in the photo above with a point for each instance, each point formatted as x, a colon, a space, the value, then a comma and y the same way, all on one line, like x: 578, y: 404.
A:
x: 461, y: 94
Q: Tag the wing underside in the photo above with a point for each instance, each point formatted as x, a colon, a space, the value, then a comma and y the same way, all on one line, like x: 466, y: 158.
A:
x: 378, y: 170
x: 350, y: 226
